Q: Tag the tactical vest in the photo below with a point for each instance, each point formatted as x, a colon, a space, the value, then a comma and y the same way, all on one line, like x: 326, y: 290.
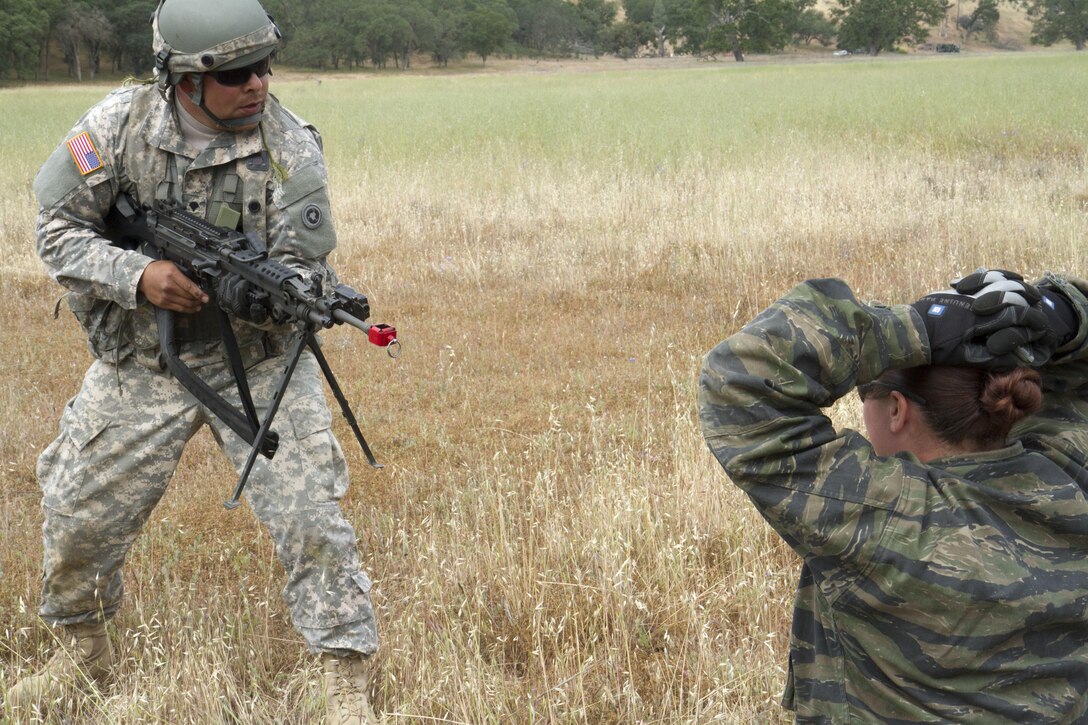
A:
x: 237, y: 197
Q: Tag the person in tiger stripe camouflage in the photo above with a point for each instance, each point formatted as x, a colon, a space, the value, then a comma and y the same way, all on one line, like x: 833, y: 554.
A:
x: 944, y: 555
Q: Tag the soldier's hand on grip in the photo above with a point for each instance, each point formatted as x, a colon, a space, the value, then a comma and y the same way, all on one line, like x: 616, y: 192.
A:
x: 166, y: 286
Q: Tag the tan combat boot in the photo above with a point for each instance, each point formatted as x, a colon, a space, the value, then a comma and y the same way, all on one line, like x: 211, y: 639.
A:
x: 345, y: 690
x: 83, y: 657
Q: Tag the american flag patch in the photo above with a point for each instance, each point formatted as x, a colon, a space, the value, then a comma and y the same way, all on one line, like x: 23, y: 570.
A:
x: 84, y: 153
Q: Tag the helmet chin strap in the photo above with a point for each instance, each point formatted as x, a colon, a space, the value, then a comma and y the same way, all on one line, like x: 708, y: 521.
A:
x: 232, y: 124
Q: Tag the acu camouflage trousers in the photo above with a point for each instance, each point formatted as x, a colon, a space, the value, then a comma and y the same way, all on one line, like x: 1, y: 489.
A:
x: 120, y: 441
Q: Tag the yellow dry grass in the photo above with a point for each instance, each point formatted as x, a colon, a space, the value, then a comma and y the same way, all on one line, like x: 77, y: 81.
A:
x: 550, y: 540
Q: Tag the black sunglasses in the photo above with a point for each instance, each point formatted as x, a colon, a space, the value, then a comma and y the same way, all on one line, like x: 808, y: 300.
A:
x: 866, y: 389
x: 240, y: 76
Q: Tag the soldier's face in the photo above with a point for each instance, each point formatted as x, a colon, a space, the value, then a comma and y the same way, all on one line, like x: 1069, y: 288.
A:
x: 230, y: 102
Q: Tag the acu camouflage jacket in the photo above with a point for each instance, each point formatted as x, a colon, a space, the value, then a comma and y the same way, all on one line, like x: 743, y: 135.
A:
x: 271, y: 181
x: 955, y: 590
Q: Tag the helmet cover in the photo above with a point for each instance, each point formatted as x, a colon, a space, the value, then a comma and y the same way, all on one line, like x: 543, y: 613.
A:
x: 197, y: 36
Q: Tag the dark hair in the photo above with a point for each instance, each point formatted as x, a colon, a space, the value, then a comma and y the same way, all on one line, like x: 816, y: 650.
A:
x: 972, y: 407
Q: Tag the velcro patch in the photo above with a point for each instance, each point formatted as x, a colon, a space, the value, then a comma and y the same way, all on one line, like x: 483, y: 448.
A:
x: 84, y: 153
x: 311, y: 216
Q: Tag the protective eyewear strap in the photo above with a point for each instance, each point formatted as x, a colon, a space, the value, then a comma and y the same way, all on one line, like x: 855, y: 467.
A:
x: 867, y: 388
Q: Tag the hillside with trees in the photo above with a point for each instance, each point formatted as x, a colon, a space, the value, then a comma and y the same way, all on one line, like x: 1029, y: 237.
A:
x: 42, y: 39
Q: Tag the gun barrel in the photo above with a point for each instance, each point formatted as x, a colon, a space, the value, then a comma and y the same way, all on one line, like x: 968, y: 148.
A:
x: 341, y: 316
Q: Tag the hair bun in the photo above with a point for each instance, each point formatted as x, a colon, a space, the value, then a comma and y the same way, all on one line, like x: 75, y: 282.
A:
x: 1012, y: 396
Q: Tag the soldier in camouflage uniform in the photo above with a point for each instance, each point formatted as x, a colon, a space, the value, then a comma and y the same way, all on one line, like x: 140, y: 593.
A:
x: 945, y: 575
x: 208, y: 136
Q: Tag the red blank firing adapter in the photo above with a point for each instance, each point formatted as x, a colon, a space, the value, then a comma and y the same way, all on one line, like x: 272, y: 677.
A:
x: 382, y: 335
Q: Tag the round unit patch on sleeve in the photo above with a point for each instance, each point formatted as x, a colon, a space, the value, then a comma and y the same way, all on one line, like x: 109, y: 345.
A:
x: 312, y: 216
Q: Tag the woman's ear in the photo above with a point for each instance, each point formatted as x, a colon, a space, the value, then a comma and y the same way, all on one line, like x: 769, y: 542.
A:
x: 899, y: 413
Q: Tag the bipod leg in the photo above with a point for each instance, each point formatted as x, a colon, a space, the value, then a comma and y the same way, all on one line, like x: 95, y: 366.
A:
x: 345, y: 408
x: 234, y: 355
x: 298, y: 343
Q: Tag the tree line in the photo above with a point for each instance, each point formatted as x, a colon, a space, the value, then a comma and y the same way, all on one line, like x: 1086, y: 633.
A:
x: 345, y: 34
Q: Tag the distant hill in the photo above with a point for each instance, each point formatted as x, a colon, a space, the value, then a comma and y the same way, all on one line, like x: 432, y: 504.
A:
x: 1013, y: 29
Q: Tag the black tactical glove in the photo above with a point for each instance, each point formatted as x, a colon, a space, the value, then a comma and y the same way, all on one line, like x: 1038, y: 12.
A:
x: 242, y: 298
x: 990, y: 287
x: 992, y: 283
x: 990, y: 319
x: 1060, y: 316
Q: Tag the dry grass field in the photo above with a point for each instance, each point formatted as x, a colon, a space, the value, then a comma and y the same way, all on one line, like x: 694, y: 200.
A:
x: 550, y: 540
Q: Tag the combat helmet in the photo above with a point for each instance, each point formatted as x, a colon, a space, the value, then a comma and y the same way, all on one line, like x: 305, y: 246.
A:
x: 197, y: 36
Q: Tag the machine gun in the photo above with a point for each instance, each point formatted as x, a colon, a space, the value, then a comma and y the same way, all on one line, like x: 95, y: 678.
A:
x: 264, y: 289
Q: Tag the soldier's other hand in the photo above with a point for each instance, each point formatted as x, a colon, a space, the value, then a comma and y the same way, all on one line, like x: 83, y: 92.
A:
x: 990, y: 319
x: 166, y: 286
x: 996, y: 285
x: 994, y: 288
x: 242, y: 299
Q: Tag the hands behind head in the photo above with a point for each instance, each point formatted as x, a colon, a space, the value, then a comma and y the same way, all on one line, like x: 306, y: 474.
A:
x: 991, y: 318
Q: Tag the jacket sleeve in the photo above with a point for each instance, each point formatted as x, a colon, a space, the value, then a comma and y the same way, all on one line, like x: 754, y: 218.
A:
x: 300, y: 221
x: 760, y: 400
x: 74, y: 196
x: 1067, y: 370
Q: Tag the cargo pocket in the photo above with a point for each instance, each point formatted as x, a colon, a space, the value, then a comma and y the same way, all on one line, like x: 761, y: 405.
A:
x: 62, y: 467
x: 101, y: 321
x: 324, y: 466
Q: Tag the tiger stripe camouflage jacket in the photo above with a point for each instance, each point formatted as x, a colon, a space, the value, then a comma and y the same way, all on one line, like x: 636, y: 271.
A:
x: 953, y: 590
